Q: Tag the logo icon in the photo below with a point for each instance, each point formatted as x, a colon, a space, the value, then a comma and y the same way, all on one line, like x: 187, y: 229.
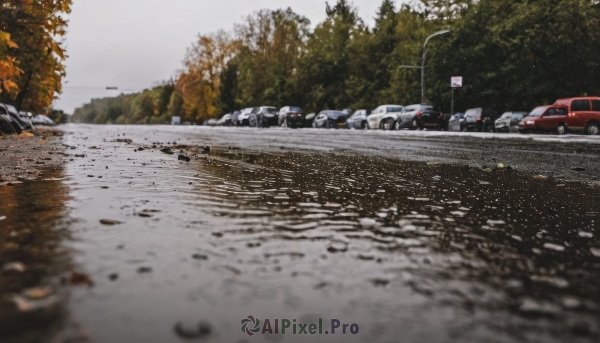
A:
x: 250, y: 325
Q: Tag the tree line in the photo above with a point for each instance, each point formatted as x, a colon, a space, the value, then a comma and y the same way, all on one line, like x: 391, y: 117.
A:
x: 32, y: 54
x: 513, y: 55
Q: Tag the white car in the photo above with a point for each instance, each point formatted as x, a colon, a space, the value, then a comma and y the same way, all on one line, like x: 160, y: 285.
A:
x: 242, y: 119
x: 374, y: 120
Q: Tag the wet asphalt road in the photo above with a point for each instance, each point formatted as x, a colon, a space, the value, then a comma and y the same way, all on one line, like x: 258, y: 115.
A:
x: 400, y: 233
x: 549, y: 155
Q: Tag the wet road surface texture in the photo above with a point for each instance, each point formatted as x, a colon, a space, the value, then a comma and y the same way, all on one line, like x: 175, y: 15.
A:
x: 140, y: 245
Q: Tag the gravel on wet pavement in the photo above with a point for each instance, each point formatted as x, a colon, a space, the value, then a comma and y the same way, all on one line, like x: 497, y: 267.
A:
x: 426, y: 245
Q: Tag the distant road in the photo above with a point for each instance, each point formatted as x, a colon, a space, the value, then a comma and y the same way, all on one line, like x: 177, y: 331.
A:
x: 549, y: 155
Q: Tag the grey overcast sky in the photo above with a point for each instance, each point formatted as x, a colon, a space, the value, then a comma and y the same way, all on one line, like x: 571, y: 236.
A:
x: 132, y: 44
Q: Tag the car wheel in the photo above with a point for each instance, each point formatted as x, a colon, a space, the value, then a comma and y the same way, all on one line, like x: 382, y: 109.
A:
x: 397, y: 125
x: 414, y: 125
x: 592, y: 129
x: 387, y: 124
x: 363, y: 125
x: 561, y: 130
x: 284, y: 123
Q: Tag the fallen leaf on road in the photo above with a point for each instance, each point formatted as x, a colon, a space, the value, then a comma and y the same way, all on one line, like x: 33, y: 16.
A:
x: 109, y: 222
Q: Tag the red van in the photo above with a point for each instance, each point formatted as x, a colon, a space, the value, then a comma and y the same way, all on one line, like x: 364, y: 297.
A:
x: 584, y: 114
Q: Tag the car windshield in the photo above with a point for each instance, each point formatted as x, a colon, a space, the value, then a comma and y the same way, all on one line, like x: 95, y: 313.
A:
x: 427, y: 108
x: 394, y: 109
x: 272, y: 110
x: 295, y: 109
x: 506, y: 115
x: 538, y: 111
x: 474, y: 111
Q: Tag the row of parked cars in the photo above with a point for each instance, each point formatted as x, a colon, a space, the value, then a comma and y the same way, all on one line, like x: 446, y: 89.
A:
x: 565, y: 115
x: 13, y: 121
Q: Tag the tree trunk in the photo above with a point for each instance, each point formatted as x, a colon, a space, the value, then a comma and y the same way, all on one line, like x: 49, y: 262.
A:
x: 23, y: 92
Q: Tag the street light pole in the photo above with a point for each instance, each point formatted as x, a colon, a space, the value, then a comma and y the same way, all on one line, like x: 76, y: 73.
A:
x: 423, y: 63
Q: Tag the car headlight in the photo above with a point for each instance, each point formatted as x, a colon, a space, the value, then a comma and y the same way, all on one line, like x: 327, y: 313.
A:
x: 530, y: 122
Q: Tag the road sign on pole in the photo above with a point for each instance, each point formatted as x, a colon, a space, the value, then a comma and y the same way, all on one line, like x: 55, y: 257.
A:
x: 456, y: 81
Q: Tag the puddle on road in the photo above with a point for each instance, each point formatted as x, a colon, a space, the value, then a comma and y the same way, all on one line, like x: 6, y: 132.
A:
x: 459, y: 236
x: 33, y: 259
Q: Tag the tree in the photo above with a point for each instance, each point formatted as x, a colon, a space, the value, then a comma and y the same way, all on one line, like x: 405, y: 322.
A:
x: 325, y: 67
x: 272, y: 44
x: 199, y: 85
x: 520, y: 54
x: 8, y: 69
x: 36, y: 27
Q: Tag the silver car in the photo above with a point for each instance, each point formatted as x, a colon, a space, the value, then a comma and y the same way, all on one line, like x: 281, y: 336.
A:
x: 456, y: 122
x: 358, y: 120
x: 244, y: 116
x: 389, y: 112
x: 509, y: 121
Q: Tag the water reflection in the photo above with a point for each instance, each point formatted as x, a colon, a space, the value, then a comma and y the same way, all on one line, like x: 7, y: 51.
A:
x: 32, y: 259
x: 444, y: 231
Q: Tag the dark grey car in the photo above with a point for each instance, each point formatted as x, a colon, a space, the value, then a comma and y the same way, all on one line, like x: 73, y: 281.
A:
x: 265, y: 116
x: 16, y: 125
x: 358, y: 120
x: 419, y: 116
x: 23, y: 119
x: 330, y: 120
x: 291, y: 116
x: 480, y: 119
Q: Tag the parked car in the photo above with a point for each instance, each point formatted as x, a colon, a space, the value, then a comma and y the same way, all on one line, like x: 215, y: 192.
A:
x: 509, y: 121
x: 23, y: 119
x: 309, y: 118
x: 357, y: 120
x: 42, y: 120
x: 291, y: 116
x: 375, y: 119
x: 13, y: 122
x: 264, y: 116
x: 244, y: 117
x: 234, y: 118
x: 445, y: 120
x: 419, y: 116
x: 584, y: 115
x: 455, y: 123
x: 225, y: 120
x: 330, y: 119
x: 6, y: 127
x: 544, y: 119
x: 480, y: 119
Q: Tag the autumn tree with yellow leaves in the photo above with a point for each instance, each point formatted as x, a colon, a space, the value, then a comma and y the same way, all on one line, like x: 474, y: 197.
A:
x: 31, y: 52
x: 199, y: 84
